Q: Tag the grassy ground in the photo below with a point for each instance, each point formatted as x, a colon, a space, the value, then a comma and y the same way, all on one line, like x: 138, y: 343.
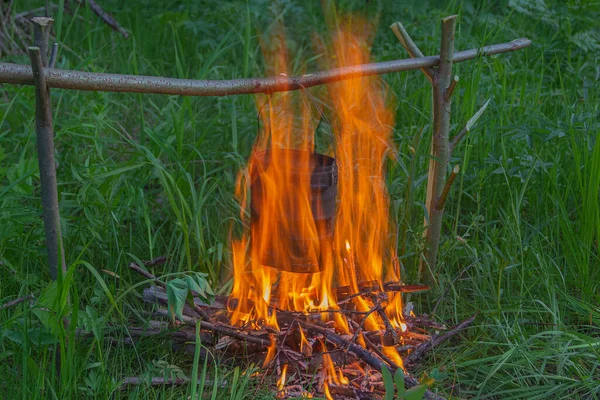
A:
x: 143, y: 176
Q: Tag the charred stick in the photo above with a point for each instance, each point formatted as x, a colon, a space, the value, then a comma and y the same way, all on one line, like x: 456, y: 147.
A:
x: 390, y: 337
x: 362, y: 322
x: 367, y: 357
x: 340, y: 341
x: 420, y: 350
x: 381, y: 355
x: 397, y: 287
x: 387, y: 287
x: 350, y: 392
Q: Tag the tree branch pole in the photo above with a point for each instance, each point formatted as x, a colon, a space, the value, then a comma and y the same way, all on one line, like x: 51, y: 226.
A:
x: 41, y: 34
x: 65, y: 79
x: 45, y: 149
x: 440, y: 146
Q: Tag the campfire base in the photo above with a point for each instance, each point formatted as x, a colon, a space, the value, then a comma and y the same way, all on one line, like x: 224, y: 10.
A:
x: 359, y: 357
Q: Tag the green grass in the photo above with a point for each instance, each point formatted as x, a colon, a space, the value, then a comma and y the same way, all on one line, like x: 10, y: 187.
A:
x: 142, y: 176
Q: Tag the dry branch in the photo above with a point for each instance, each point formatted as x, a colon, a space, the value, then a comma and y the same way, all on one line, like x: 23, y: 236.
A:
x: 442, y: 199
x: 411, y: 48
x: 107, y: 18
x: 419, y: 351
x: 218, y: 328
x: 45, y: 145
x: 440, y: 147
x: 467, y: 128
x: 15, y: 302
x: 155, y: 381
x: 65, y: 79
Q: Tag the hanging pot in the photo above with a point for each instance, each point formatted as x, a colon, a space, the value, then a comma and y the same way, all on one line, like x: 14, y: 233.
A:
x: 321, y: 170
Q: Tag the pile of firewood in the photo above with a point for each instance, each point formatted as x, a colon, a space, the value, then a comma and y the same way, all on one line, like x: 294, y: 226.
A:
x: 304, y: 346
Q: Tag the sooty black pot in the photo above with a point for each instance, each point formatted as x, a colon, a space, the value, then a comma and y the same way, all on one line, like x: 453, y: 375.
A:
x: 305, y: 251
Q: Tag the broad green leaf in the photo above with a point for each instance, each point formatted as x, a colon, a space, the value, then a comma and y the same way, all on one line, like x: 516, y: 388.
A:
x: 399, y: 380
x: 388, y: 382
x: 198, y: 283
x: 438, y: 375
x: 177, y: 291
x: 46, y: 306
x: 415, y: 392
x: 41, y: 336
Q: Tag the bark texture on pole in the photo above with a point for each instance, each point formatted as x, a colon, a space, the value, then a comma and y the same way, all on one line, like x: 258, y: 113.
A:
x: 41, y: 34
x: 65, y: 79
x: 45, y: 152
x: 440, y: 145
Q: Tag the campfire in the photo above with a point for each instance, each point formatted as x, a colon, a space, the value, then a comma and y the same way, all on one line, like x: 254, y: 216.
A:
x: 317, y: 291
x: 309, y: 253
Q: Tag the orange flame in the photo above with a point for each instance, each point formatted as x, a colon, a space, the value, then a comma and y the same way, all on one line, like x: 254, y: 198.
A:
x: 331, y: 375
x: 282, y: 259
x: 281, y: 380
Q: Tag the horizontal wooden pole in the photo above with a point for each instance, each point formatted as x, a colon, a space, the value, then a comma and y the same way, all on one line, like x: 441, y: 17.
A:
x: 76, y: 80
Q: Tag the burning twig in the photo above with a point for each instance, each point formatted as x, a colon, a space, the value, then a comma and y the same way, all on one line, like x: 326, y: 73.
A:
x: 387, y: 287
x: 390, y: 337
x: 350, y: 392
x: 304, y: 362
x: 359, y: 327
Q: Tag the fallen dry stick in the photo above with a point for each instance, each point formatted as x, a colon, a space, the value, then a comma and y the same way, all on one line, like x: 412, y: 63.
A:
x: 107, y: 18
x: 15, y: 302
x: 420, y: 350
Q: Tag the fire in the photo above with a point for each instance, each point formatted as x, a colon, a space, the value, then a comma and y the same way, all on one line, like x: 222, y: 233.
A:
x: 317, y: 225
x: 281, y: 381
x: 331, y: 376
